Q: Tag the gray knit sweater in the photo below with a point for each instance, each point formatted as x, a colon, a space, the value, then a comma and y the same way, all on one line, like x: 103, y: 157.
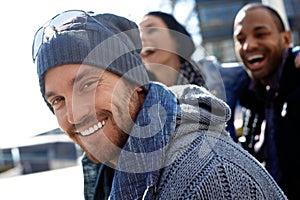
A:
x: 205, y: 162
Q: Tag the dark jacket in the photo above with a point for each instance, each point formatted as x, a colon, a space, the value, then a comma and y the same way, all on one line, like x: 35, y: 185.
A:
x: 280, y: 108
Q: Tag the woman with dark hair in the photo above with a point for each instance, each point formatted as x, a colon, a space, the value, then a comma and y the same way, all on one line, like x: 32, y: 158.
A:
x: 167, y: 50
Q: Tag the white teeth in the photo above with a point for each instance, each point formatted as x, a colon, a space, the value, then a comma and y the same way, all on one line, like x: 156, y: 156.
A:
x: 255, y: 57
x: 96, y: 127
x: 92, y: 129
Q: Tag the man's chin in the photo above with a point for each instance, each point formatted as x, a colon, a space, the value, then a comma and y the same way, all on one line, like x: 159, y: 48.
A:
x: 108, y: 159
x: 92, y: 158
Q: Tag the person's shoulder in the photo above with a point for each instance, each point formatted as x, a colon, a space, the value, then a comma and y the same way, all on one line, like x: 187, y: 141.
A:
x: 290, y: 72
x: 209, y: 59
x: 208, y: 63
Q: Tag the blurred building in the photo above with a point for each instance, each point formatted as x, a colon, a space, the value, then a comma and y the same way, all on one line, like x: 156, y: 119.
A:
x: 292, y: 8
x: 216, y: 24
x: 43, y: 152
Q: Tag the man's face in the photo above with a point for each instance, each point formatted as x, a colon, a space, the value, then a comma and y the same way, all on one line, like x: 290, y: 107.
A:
x: 259, y: 44
x: 96, y: 108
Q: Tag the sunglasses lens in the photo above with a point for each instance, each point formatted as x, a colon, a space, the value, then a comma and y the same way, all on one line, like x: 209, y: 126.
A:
x: 38, y: 40
x: 55, y: 22
x: 65, y: 17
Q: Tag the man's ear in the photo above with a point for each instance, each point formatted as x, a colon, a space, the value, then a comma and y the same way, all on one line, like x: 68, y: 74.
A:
x: 139, y: 89
x: 287, y: 38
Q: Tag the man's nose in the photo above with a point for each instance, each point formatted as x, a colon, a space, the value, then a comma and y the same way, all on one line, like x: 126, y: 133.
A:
x: 250, y: 43
x: 77, y: 111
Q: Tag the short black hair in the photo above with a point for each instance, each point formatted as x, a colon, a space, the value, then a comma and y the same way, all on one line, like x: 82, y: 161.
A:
x: 277, y: 18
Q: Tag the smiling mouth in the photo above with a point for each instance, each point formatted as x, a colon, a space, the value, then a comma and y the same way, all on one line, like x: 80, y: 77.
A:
x: 92, y: 129
x: 255, y: 59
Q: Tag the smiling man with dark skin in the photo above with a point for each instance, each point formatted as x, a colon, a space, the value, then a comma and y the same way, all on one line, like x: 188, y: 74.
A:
x: 260, y: 42
x: 263, y: 45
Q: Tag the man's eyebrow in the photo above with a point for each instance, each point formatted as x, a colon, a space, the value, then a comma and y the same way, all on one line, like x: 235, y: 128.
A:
x: 79, y: 77
x: 260, y: 28
x: 48, y: 95
x: 86, y: 72
x: 237, y: 33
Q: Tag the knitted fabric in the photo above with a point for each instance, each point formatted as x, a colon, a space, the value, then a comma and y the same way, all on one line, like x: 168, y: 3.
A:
x: 206, y: 163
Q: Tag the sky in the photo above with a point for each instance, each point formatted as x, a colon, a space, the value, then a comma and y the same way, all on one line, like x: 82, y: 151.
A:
x: 24, y: 112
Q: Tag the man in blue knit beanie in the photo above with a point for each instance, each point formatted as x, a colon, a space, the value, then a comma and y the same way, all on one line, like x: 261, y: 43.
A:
x: 142, y: 140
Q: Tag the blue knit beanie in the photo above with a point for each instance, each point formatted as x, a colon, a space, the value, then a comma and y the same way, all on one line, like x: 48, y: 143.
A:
x: 105, y: 40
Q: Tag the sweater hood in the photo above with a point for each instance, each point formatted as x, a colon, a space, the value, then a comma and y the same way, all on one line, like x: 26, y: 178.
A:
x: 199, y: 107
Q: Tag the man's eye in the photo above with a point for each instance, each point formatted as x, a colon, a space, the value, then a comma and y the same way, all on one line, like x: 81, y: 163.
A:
x: 56, y: 100
x: 261, y: 35
x: 90, y: 84
x: 241, y: 40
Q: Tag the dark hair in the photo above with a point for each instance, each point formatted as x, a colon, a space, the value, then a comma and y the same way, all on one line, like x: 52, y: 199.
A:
x: 185, y: 46
x: 277, y: 19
